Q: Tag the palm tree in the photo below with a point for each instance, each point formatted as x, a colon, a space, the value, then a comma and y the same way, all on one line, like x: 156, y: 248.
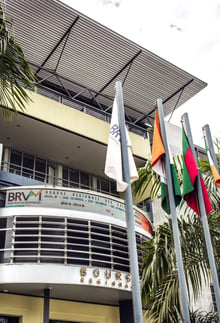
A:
x: 159, y: 274
x: 15, y: 72
x: 160, y: 288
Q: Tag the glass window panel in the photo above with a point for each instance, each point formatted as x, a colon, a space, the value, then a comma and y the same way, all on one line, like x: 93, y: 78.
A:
x: 65, y: 173
x: 104, y: 185
x: 15, y: 162
x: 40, y: 165
x: 74, y: 178
x: 84, y: 179
x: 40, y: 169
x: 113, y: 188
x: 28, y: 161
x: 65, y: 177
x: 15, y: 157
x: 28, y: 165
x: 97, y: 185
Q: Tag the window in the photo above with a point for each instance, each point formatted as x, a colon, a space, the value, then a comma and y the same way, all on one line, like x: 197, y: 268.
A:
x: 70, y: 177
x: 113, y: 188
x: 84, y: 180
x: 104, y: 185
x: 65, y: 176
x: 44, y: 171
x: 9, y: 319
x: 40, y: 169
x: 74, y: 178
x: 28, y: 166
x: 15, y: 162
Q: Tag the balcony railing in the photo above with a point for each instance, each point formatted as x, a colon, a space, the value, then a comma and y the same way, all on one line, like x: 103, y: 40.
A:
x: 48, y: 178
x: 98, y: 112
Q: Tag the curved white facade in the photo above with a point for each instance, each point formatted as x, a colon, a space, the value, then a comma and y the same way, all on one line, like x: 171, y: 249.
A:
x: 71, y: 241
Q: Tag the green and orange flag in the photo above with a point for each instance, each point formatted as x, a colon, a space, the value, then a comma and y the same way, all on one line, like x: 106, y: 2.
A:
x: 190, y: 172
x: 158, y: 165
x: 214, y: 170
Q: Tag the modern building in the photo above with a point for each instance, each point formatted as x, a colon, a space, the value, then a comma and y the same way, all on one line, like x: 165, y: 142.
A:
x: 63, y: 234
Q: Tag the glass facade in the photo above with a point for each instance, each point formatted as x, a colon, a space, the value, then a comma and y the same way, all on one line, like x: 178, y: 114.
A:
x: 45, y: 171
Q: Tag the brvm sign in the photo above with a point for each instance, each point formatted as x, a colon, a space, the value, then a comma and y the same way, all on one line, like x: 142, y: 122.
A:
x: 24, y: 196
x: 78, y: 200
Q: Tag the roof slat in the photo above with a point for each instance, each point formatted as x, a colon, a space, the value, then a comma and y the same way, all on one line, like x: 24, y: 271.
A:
x: 93, y: 55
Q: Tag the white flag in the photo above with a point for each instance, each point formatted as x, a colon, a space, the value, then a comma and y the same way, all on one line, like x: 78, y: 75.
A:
x: 113, y: 162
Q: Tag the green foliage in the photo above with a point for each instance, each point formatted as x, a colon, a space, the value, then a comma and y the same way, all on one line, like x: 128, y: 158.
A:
x: 160, y: 288
x: 158, y: 261
x: 203, y: 317
x: 15, y: 72
x: 147, y: 179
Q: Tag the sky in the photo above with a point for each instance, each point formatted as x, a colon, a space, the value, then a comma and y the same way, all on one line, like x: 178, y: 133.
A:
x: 185, y: 33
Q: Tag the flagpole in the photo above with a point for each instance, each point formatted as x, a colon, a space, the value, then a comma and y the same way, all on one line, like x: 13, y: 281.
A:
x: 210, y: 253
x: 207, y: 135
x: 136, y: 292
x: 181, y: 275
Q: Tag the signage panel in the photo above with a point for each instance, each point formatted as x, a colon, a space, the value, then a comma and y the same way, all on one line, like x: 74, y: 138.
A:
x: 73, y: 200
x: 105, y: 278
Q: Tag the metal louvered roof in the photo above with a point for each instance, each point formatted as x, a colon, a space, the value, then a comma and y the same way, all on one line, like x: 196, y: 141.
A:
x: 74, y: 54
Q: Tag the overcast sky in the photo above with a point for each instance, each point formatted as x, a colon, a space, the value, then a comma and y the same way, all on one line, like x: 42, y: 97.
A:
x: 184, y: 32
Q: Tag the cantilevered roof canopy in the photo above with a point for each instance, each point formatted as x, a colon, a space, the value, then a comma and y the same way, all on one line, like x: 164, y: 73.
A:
x: 81, y: 58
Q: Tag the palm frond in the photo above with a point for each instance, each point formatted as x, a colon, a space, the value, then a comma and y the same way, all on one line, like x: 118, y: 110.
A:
x: 15, y: 71
x: 203, y: 317
x: 160, y: 286
x: 148, y: 179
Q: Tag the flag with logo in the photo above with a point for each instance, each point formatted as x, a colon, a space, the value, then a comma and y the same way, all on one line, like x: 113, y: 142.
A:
x: 158, y: 165
x: 113, y: 162
x: 214, y: 170
x: 190, y: 172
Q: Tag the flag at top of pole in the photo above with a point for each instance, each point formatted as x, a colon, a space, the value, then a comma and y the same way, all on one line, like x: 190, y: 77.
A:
x: 190, y: 173
x: 210, y: 156
x: 158, y: 165
x: 113, y: 162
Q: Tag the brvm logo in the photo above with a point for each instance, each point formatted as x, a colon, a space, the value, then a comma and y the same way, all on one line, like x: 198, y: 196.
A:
x: 24, y: 196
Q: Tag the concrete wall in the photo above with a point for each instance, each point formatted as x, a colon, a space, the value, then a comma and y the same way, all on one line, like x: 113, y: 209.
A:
x: 78, y: 122
x: 30, y: 309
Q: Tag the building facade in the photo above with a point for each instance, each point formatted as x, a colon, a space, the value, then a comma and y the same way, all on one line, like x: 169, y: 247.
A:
x: 63, y: 230
x: 63, y: 234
